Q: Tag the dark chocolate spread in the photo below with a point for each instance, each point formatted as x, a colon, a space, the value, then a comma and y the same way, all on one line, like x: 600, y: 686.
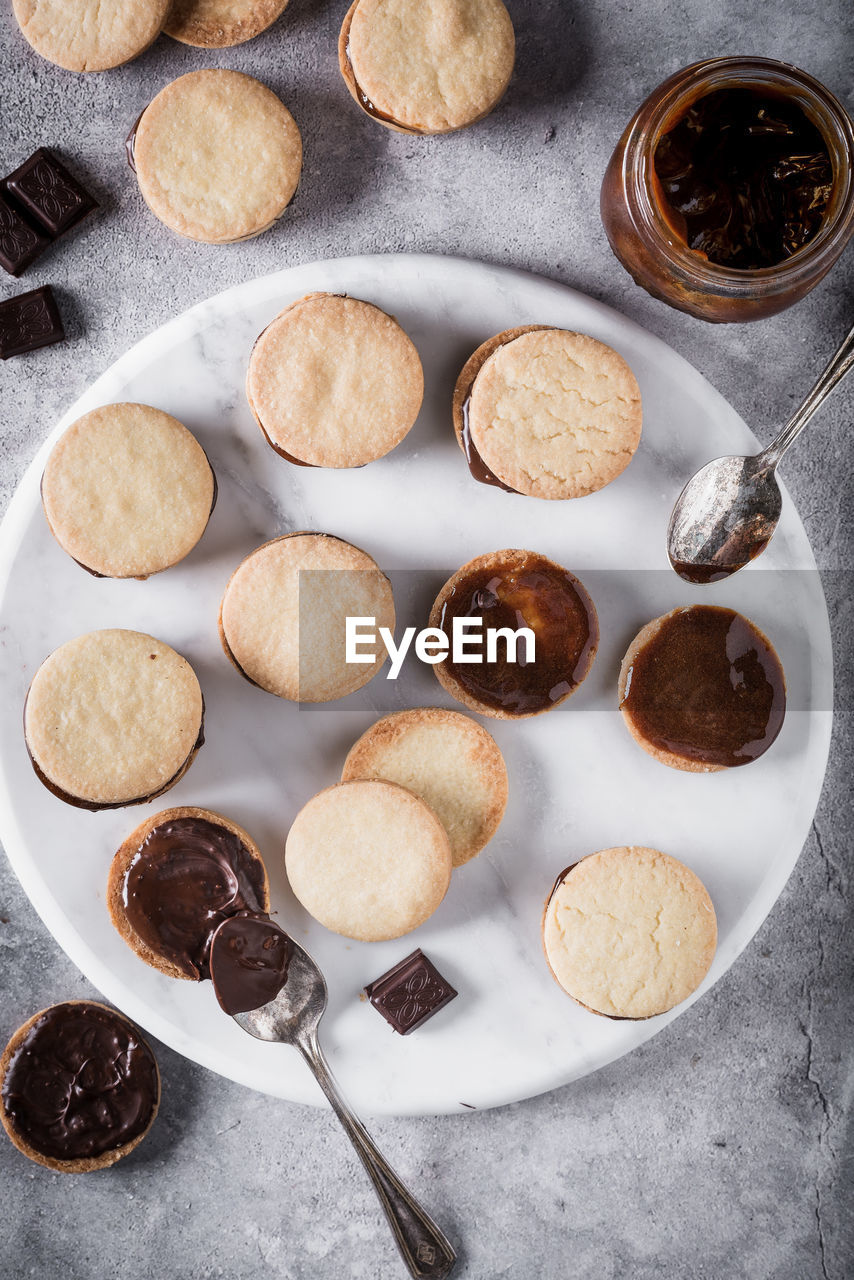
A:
x: 81, y: 1083
x: 249, y: 957
x: 707, y: 687
x: 187, y: 877
x: 534, y: 593
x: 477, y: 466
x: 746, y: 178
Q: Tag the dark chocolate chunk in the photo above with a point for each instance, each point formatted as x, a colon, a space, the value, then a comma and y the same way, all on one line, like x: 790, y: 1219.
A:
x: 20, y: 244
x: 410, y: 993
x: 29, y: 321
x: 48, y: 192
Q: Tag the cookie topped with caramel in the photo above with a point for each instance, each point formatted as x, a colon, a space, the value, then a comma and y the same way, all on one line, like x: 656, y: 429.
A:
x: 508, y: 591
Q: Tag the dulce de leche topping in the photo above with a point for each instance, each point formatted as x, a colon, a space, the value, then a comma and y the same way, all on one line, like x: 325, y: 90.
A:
x: 745, y: 176
x: 249, y: 959
x: 706, y: 686
x: 80, y: 1083
x: 523, y: 589
x: 188, y: 876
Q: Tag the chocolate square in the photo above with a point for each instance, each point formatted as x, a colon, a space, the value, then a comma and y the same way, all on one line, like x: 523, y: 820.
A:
x: 44, y: 188
x: 410, y: 993
x: 29, y: 321
x: 20, y: 244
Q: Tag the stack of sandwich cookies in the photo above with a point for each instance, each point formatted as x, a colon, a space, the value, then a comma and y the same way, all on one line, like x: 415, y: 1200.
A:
x: 217, y: 156
x: 510, y: 590
x: 79, y: 1087
x: 113, y: 718
x: 90, y: 35
x: 425, y: 68
x: 283, y: 616
x: 447, y: 759
x: 629, y: 932
x: 368, y: 859
x: 219, y: 24
x: 127, y: 491
x: 334, y: 382
x: 547, y: 413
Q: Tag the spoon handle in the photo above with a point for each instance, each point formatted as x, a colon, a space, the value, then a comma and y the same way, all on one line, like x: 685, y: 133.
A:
x: 426, y: 1251
x: 838, y: 365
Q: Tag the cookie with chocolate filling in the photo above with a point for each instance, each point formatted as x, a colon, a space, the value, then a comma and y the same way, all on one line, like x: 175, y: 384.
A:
x: 368, y: 859
x: 547, y: 413
x: 491, y: 598
x: 79, y: 1087
x: 178, y: 876
x: 447, y: 759
x: 701, y: 689
x: 219, y: 24
x: 427, y: 66
x: 90, y: 35
x: 217, y: 156
x: 334, y: 382
x: 127, y: 491
x: 282, y: 621
x: 629, y: 932
x: 113, y: 718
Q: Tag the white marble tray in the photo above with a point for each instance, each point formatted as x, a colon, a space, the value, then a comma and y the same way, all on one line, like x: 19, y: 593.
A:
x: 578, y: 782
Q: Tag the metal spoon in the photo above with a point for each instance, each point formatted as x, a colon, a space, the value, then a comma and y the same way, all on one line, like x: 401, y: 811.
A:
x: 728, y: 511
x: 292, y: 1018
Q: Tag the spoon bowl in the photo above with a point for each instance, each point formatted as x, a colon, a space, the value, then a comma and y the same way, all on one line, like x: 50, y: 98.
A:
x: 724, y: 518
x: 727, y: 513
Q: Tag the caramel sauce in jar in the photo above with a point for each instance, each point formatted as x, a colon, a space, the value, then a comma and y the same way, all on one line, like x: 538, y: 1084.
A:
x: 756, y: 135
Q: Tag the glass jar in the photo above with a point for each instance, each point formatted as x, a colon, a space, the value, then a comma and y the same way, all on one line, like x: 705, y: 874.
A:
x: 645, y: 242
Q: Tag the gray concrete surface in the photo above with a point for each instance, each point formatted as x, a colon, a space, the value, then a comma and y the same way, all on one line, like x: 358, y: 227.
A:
x: 723, y: 1147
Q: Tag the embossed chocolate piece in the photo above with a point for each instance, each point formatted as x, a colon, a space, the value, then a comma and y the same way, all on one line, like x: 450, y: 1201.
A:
x: 44, y: 188
x: 20, y: 244
x: 410, y: 993
x: 29, y: 321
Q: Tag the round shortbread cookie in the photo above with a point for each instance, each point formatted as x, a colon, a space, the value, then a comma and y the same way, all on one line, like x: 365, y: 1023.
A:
x: 368, y: 859
x: 550, y: 413
x: 702, y: 689
x: 282, y: 617
x: 218, y: 24
x: 128, y: 850
x: 629, y: 932
x: 447, y: 759
x: 47, y: 1090
x: 127, y: 491
x: 90, y: 35
x: 509, y: 590
x: 427, y: 66
x: 113, y: 718
x: 334, y: 382
x: 217, y: 156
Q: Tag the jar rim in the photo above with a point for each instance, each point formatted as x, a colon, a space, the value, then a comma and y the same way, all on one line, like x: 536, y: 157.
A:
x: 820, y: 106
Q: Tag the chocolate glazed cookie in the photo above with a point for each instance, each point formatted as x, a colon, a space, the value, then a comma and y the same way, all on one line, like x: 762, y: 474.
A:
x: 80, y: 1087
